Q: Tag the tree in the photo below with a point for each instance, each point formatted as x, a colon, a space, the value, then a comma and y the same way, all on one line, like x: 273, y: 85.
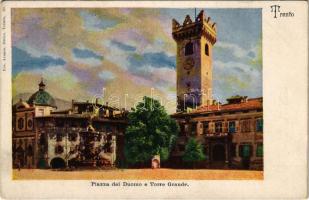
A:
x: 193, y: 152
x: 151, y: 131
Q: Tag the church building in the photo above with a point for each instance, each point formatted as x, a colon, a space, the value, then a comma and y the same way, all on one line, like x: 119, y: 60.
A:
x: 86, y: 134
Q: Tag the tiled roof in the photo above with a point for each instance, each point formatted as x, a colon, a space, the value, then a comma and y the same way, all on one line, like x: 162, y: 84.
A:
x: 250, y: 104
x: 256, y: 103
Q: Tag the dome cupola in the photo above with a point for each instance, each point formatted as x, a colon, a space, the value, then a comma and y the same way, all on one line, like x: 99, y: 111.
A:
x: 41, y: 97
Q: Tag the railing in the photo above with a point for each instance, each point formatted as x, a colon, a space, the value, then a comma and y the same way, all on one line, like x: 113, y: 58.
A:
x: 244, y: 136
x: 222, y: 134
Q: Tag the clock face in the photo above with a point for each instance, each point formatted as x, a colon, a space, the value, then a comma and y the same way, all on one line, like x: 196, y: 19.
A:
x: 189, y: 63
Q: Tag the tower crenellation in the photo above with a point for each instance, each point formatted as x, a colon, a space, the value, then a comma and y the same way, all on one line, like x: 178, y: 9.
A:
x: 194, y: 40
x: 201, y: 26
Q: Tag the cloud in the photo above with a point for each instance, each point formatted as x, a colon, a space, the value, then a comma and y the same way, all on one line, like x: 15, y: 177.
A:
x: 94, y: 23
x: 123, y: 46
x: 234, y: 49
x: 87, y: 57
x: 231, y: 78
x: 69, y: 88
x: 86, y: 53
x: 22, y: 60
x: 158, y: 60
x: 107, y: 75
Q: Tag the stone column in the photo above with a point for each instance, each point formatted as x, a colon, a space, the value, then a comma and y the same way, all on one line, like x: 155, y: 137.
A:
x: 198, y: 128
x: 210, y: 152
x: 226, y: 151
x: 225, y: 126
x: 254, y: 145
x: 252, y: 127
x: 113, y: 150
x: 237, y: 152
x: 36, y: 149
x: 211, y: 127
x: 238, y: 125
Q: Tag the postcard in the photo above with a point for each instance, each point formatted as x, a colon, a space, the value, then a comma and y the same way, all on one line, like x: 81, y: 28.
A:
x: 156, y: 100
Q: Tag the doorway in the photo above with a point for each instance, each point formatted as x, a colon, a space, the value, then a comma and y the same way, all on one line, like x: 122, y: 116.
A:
x: 218, y: 152
x: 57, y: 163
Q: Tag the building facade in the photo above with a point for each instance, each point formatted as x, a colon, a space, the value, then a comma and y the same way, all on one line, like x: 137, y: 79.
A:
x: 231, y: 134
x: 87, y: 134
x: 24, y: 116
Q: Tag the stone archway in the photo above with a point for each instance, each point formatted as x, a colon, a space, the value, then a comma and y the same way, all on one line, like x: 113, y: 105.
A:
x: 218, y: 152
x: 57, y: 163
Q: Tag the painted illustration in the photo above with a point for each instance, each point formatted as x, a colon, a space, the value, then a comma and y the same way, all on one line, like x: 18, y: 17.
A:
x: 137, y: 93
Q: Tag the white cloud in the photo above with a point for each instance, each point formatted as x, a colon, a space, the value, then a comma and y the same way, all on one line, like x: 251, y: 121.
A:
x: 92, y: 62
x: 107, y: 75
x: 235, y: 49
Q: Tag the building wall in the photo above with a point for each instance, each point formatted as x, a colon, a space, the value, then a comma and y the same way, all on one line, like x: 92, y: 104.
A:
x: 43, y: 110
x: 206, y: 71
x: 59, y: 137
x: 23, y: 152
x: 246, y: 133
x: 26, y: 117
x: 24, y: 138
x: 188, y: 74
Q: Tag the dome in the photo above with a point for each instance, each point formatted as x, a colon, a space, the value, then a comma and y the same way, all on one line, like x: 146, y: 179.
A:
x: 41, y: 97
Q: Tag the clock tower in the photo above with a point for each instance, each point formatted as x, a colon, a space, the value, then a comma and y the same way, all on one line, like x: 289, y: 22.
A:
x: 195, y: 40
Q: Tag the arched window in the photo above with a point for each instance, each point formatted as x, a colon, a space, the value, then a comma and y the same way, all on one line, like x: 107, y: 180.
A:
x: 73, y: 137
x: 20, y: 123
x: 58, y: 149
x: 207, y: 49
x: 59, y: 137
x: 30, y: 123
x: 189, y: 49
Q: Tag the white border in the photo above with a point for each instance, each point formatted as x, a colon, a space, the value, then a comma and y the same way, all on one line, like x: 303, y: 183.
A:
x: 285, y: 83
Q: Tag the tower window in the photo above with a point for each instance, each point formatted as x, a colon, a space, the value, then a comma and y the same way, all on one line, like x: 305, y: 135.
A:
x: 189, y: 49
x: 207, y: 49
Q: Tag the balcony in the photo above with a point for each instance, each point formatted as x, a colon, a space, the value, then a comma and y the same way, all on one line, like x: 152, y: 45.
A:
x: 244, y: 136
x: 222, y: 134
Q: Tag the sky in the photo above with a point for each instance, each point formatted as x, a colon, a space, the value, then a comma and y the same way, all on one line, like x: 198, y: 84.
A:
x: 123, y: 54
